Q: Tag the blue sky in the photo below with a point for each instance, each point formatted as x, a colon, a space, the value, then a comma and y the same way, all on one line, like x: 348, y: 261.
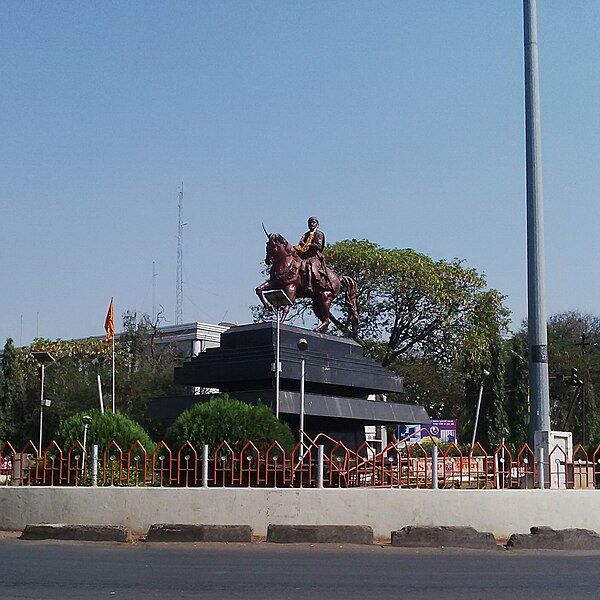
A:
x: 401, y: 122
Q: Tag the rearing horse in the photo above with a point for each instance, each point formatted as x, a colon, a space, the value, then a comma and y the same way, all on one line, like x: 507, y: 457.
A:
x: 285, y: 274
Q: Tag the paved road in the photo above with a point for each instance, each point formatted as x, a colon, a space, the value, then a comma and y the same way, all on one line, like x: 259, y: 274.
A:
x: 90, y: 571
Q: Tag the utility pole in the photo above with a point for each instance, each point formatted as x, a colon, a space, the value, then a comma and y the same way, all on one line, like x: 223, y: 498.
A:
x: 536, y: 294
x: 179, y: 284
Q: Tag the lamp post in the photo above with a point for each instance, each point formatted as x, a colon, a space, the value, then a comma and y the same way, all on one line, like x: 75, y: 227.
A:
x: 277, y: 299
x: 302, y: 346
x: 43, y: 357
x: 485, y: 374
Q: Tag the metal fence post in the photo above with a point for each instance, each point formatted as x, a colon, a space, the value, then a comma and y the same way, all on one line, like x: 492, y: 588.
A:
x: 95, y: 465
x: 205, y: 466
x: 434, y: 467
x: 320, y: 455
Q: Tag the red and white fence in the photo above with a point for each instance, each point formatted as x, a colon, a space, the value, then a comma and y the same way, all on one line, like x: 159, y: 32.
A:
x: 320, y: 462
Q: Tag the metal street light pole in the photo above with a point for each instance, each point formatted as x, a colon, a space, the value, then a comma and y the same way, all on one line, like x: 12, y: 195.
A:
x: 485, y: 374
x: 43, y: 357
x: 41, y: 407
x: 277, y: 363
x: 302, y: 346
x: 277, y: 299
x: 536, y: 293
x: 86, y: 423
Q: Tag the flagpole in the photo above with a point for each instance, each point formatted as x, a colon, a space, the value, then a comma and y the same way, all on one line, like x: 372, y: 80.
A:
x: 109, y: 326
x: 113, y: 373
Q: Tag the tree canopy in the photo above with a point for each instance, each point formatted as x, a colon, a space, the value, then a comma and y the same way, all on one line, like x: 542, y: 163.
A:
x: 413, y: 306
x: 71, y: 381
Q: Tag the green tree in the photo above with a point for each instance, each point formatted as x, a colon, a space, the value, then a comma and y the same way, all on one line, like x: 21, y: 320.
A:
x: 517, y: 389
x: 17, y: 412
x: 566, y: 331
x: 224, y: 418
x: 103, y: 429
x: 71, y: 381
x: 489, y: 371
x: 411, y: 305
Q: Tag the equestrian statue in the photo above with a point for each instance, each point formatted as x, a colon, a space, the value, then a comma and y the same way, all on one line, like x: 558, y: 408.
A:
x: 301, y: 272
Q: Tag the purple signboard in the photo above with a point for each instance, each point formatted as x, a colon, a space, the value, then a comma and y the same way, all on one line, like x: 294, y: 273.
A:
x: 443, y: 429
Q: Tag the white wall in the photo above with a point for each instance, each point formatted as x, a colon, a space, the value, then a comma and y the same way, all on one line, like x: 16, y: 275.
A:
x: 502, y: 512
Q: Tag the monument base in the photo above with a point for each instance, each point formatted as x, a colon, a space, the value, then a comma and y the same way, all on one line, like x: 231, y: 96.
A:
x: 341, y: 384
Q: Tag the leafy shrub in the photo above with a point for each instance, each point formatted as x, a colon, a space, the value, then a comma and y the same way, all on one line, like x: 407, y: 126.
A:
x: 224, y: 418
x: 103, y: 429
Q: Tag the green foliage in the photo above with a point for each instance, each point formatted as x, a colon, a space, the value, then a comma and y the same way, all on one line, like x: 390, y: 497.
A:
x: 493, y: 421
x: 414, y: 306
x: 71, y: 381
x: 17, y: 411
x: 439, y: 388
x: 224, y: 418
x: 517, y: 390
x: 103, y: 429
x: 565, y: 353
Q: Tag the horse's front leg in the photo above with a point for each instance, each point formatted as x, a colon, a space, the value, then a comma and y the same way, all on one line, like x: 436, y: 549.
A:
x: 263, y: 287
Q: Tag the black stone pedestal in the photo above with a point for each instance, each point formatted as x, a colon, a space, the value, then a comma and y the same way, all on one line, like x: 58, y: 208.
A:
x: 338, y: 380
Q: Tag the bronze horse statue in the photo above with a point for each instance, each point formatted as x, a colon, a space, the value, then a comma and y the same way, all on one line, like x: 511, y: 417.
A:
x: 286, y: 274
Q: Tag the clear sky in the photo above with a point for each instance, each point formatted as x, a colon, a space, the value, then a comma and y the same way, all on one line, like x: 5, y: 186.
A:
x: 401, y: 122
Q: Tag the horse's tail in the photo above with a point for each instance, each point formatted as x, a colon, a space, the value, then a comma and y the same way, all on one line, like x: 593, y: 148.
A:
x: 351, y: 295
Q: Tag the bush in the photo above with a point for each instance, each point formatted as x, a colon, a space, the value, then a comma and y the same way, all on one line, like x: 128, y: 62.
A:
x: 103, y: 429
x: 224, y: 418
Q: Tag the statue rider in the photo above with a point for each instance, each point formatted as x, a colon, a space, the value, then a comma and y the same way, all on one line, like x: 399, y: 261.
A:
x: 310, y: 249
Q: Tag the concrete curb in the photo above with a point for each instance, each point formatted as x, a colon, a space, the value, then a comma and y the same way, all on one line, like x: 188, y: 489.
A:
x: 167, y: 532
x: 546, y: 538
x: 320, y: 534
x: 449, y: 537
x: 87, y: 533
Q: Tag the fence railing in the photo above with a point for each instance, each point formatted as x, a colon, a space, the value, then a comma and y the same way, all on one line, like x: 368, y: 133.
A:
x: 321, y: 460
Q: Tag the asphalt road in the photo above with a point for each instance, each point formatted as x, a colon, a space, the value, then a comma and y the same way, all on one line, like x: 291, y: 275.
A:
x: 90, y: 571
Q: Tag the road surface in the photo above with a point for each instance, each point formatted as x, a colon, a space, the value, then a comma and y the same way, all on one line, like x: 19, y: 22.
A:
x: 89, y: 571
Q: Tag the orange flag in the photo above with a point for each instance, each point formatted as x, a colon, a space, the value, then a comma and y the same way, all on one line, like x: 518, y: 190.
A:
x: 109, y: 322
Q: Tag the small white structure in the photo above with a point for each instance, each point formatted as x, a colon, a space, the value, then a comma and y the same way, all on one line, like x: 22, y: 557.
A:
x: 190, y: 339
x: 554, y: 450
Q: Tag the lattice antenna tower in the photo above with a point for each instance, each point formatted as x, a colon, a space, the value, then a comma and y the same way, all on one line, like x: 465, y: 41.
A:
x: 179, y: 284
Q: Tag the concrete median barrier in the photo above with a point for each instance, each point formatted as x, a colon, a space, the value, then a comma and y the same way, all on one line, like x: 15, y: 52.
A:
x: 448, y: 537
x: 167, y: 532
x: 546, y: 538
x: 86, y: 533
x: 320, y: 534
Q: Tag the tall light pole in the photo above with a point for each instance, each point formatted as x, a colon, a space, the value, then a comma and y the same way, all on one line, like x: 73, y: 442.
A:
x: 277, y: 299
x: 43, y: 358
x: 485, y: 374
x: 536, y: 295
x: 302, y: 346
